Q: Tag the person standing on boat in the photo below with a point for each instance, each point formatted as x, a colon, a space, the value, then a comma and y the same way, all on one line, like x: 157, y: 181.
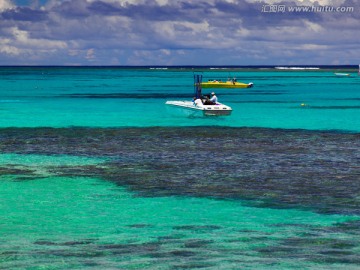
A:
x: 214, y: 98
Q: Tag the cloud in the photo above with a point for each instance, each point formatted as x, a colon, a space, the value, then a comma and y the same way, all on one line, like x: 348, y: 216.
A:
x: 305, y: 2
x: 23, y: 39
x: 90, y: 54
x: 151, y: 32
x: 5, y: 5
x: 23, y: 14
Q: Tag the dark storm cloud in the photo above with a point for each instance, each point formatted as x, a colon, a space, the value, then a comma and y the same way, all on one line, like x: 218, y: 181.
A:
x: 24, y: 14
x: 106, y: 9
x: 154, y: 12
x: 72, y: 9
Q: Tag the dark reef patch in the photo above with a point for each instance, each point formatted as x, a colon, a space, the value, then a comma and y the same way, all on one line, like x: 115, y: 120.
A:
x: 197, y: 243
x: 316, y: 244
x: 13, y: 170
x: 319, y: 244
x: 315, y: 249
x: 69, y: 243
x: 197, y: 228
x: 267, y: 167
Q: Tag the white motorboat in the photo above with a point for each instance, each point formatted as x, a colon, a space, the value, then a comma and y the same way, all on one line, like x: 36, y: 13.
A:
x: 342, y: 74
x: 197, y: 105
x: 200, y: 104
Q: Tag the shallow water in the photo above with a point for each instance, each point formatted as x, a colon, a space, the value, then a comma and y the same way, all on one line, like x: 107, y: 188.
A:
x: 90, y: 198
x: 97, y: 173
x: 87, y: 223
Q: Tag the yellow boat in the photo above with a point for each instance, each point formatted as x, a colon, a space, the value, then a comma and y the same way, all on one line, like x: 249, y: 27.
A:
x: 227, y: 84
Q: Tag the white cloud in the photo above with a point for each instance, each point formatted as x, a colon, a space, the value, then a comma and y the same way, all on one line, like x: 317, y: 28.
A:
x: 313, y: 26
x: 323, y: 2
x: 22, y: 38
x: 134, y: 2
x: 90, y: 54
x: 311, y: 47
x: 303, y: 2
x: 18, y: 44
x: 165, y: 52
x: 243, y: 32
x: 5, y: 4
x: 10, y: 50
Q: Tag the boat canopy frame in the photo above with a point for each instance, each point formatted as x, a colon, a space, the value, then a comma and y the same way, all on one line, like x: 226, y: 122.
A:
x: 197, y: 85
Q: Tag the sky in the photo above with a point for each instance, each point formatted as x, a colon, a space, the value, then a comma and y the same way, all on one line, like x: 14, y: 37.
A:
x: 179, y: 32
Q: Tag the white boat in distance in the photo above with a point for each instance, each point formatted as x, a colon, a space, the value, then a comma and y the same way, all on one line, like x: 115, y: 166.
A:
x: 199, y: 104
x: 342, y: 74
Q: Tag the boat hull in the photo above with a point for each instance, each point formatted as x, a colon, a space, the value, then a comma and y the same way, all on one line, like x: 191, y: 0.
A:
x: 227, y: 84
x: 208, y: 110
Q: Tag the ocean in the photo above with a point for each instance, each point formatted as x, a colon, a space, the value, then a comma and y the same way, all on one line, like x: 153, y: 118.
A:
x: 96, y: 172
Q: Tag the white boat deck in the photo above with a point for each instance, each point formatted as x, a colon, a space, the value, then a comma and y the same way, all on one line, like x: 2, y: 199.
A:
x: 215, y: 110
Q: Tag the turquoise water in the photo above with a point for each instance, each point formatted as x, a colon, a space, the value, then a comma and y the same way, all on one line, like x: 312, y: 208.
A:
x: 60, y: 223
x: 110, y: 97
x: 79, y: 189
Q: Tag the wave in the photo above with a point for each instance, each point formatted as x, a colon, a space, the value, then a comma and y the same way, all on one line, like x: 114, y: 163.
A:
x: 298, y: 68
x: 10, y: 101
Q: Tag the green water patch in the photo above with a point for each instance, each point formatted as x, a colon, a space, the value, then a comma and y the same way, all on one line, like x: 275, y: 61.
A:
x: 49, y: 160
x: 274, y: 168
x: 82, y: 222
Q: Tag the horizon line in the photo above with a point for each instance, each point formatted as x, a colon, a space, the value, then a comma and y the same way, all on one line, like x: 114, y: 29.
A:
x: 207, y: 66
